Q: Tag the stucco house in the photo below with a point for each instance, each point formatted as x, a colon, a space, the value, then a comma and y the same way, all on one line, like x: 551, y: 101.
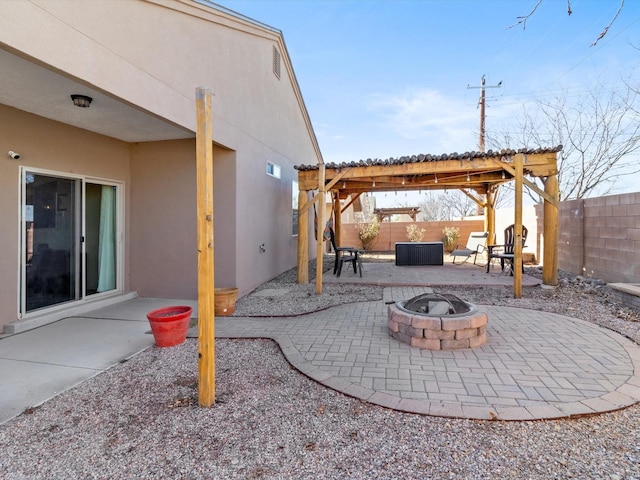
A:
x: 98, y: 192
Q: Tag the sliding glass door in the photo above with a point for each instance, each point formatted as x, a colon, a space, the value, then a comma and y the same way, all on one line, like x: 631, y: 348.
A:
x: 70, y: 248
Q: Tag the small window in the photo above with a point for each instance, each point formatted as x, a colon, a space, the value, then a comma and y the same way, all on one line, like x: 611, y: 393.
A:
x: 276, y: 62
x: 273, y: 169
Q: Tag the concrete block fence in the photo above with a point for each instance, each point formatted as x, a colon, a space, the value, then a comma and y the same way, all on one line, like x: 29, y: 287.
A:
x: 599, y: 237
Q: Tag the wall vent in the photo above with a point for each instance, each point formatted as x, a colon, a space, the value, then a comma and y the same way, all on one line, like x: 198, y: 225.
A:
x: 276, y: 62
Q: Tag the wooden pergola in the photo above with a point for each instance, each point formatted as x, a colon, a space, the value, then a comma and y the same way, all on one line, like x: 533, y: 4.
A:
x: 383, y: 213
x: 477, y: 174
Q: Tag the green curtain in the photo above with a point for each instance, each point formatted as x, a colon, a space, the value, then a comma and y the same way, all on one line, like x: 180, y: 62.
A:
x: 107, y: 240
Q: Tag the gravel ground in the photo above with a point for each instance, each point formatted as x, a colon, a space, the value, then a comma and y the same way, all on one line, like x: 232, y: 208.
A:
x: 140, y: 419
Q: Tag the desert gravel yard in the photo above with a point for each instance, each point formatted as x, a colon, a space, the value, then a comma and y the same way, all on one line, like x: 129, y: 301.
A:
x: 140, y: 419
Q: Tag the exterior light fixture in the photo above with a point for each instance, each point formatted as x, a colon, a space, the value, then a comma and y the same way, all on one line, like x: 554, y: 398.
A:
x: 374, y: 183
x: 403, y: 180
x: 81, y: 101
x: 503, y: 174
x: 435, y: 178
x: 468, y: 179
x: 344, y: 184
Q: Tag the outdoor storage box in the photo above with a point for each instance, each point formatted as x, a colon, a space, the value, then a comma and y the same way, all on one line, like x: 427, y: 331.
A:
x: 419, y: 253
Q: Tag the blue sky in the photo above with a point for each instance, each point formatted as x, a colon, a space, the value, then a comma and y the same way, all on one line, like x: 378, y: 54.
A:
x: 389, y: 78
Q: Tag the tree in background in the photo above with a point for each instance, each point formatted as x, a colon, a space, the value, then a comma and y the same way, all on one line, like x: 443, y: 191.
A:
x: 599, y: 132
x: 438, y: 205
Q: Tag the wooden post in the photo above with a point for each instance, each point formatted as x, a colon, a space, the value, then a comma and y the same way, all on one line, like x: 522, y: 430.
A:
x: 517, y: 236
x: 550, y: 219
x: 490, y: 216
x: 303, y: 238
x: 204, y: 201
x: 320, y: 244
x: 337, y: 215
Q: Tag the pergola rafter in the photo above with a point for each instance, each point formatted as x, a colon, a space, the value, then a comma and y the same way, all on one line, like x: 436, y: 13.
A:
x: 477, y: 174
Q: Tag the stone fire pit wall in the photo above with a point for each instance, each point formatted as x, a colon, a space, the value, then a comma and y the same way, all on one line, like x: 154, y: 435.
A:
x: 447, y: 332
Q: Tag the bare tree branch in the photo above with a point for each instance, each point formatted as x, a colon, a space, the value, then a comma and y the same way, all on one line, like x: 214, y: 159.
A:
x: 523, y: 20
x: 600, y: 134
x: 606, y: 29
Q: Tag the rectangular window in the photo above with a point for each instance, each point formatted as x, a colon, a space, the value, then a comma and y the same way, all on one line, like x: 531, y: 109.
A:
x: 294, y: 207
x: 273, y: 169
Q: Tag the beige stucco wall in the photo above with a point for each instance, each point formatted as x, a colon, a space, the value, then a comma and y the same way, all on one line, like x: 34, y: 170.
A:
x: 152, y: 55
x: 49, y: 145
x: 163, y: 235
x: 155, y: 54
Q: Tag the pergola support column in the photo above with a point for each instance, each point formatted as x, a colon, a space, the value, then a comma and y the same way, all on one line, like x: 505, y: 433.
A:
x: 303, y: 238
x: 517, y: 240
x: 337, y: 215
x: 321, y: 221
x: 490, y: 216
x: 550, y: 211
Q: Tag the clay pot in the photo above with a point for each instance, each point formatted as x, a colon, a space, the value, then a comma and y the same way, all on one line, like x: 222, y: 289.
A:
x: 225, y: 301
x: 170, y: 325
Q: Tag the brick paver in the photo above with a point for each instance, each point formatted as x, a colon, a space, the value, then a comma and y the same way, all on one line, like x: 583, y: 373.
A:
x: 534, y: 365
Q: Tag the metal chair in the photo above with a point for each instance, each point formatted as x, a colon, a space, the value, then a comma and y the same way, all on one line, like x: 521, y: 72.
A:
x: 477, y: 243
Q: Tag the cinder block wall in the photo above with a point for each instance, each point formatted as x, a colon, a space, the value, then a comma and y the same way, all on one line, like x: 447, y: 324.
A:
x: 600, y: 237
x: 392, y: 232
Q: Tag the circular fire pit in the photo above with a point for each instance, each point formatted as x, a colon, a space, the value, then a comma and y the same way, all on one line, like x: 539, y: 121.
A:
x: 437, y: 322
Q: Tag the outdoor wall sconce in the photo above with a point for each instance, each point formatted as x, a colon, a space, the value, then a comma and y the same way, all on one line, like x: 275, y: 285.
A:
x: 81, y: 101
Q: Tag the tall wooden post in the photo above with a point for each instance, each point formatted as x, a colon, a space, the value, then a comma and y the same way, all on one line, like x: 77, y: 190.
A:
x: 550, y: 261
x: 337, y: 215
x: 204, y: 201
x: 490, y: 216
x: 320, y: 245
x: 303, y: 238
x: 517, y: 240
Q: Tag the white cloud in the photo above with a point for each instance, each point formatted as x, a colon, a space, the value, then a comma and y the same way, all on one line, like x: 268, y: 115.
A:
x: 442, y: 123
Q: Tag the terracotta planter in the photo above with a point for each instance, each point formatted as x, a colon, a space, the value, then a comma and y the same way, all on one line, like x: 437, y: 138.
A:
x: 170, y: 325
x: 225, y: 301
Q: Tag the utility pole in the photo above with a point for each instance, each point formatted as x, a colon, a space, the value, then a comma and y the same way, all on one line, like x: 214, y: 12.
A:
x: 481, y: 104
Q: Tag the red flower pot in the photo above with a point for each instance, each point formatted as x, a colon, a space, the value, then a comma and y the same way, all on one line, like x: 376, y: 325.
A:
x: 170, y: 325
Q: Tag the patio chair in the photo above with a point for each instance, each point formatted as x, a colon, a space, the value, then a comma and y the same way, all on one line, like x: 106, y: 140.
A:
x: 505, y: 252
x: 345, y: 255
x: 477, y: 243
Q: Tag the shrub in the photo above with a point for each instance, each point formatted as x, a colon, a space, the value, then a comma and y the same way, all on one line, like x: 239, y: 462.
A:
x: 415, y: 234
x: 367, y: 232
x: 450, y: 237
